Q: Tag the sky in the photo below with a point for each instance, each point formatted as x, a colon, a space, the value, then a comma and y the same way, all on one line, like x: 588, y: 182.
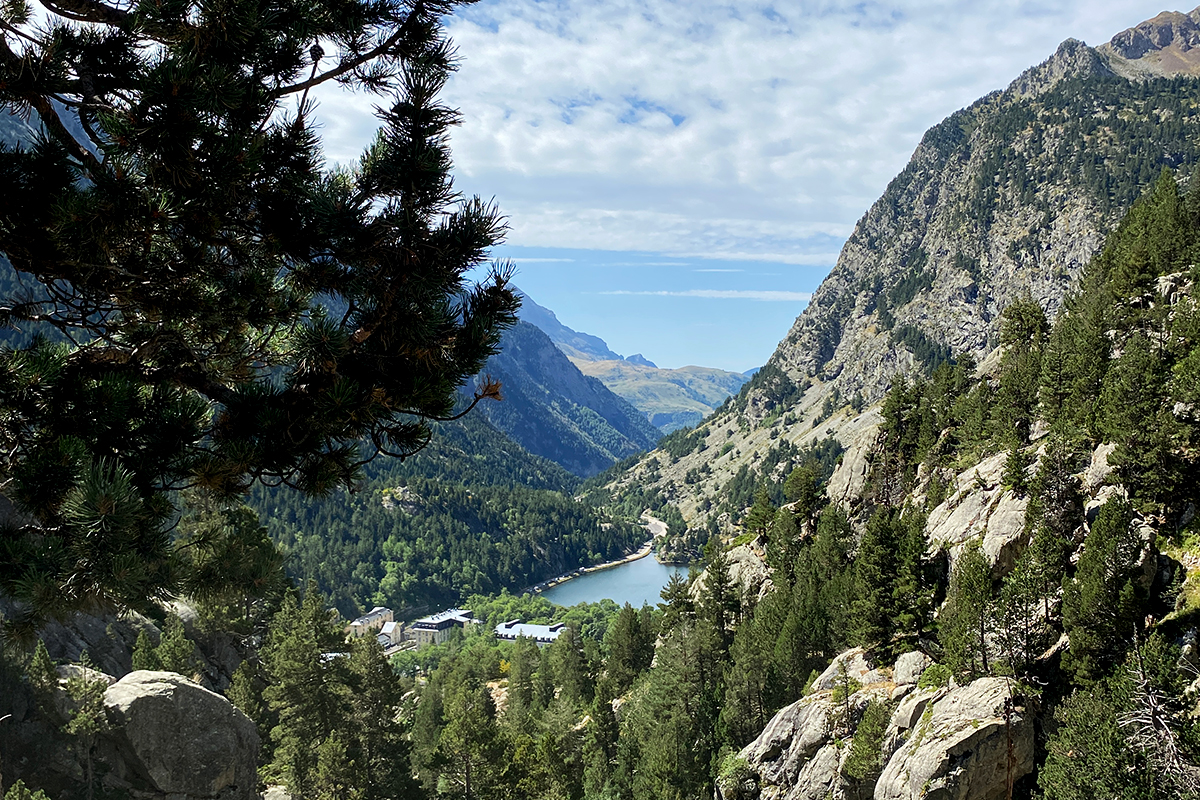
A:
x: 679, y: 175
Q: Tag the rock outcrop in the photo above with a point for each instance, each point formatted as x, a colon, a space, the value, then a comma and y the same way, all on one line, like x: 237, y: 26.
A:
x: 949, y: 743
x: 175, y: 739
x: 981, y: 508
x: 964, y: 746
x: 1167, y: 45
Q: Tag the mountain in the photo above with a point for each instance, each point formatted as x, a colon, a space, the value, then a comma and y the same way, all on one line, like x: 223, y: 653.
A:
x: 670, y: 398
x: 553, y: 410
x: 1006, y: 199
x: 580, y: 346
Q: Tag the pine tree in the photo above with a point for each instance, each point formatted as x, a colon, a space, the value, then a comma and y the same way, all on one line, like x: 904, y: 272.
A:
x: 522, y: 669
x: 175, y: 651
x: 306, y: 686
x: 966, y: 616
x: 760, y: 515
x: 87, y: 717
x: 873, y: 619
x: 570, y: 667
x: 238, y: 311
x: 863, y: 763
x: 912, y: 593
x: 677, y: 605
x: 1022, y: 335
x: 144, y: 655
x: 233, y: 561
x: 626, y: 650
x: 375, y: 740
x: 469, y: 745
x: 1101, y: 603
x: 41, y: 670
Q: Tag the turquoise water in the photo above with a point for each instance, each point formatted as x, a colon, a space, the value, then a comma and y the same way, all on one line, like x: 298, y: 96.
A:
x: 635, y: 583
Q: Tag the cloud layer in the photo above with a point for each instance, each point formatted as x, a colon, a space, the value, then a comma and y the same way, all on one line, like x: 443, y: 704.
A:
x: 745, y: 130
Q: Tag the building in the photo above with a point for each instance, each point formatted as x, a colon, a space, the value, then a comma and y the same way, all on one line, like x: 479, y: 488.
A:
x: 436, y: 628
x: 370, y: 622
x: 542, y: 634
x: 390, y: 634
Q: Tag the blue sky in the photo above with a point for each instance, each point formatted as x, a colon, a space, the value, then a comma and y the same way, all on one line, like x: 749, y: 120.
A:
x: 680, y: 175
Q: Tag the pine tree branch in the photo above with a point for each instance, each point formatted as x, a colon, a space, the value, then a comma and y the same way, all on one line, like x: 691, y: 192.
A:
x: 49, y: 117
x: 386, y: 48
x: 88, y: 11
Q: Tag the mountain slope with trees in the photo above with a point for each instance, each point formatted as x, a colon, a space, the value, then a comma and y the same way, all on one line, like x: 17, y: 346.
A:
x: 1006, y: 199
x: 555, y: 411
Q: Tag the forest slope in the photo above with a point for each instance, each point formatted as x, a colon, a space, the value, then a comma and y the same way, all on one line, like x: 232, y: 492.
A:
x: 1006, y: 199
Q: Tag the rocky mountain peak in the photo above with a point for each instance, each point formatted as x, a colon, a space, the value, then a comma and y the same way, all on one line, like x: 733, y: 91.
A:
x: 1072, y: 59
x: 1168, y: 44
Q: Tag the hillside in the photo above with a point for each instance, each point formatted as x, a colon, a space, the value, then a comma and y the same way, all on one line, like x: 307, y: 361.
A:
x: 670, y: 398
x: 1006, y: 199
x: 553, y: 410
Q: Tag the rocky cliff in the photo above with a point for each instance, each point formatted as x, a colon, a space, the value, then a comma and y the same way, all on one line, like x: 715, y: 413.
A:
x: 940, y: 741
x: 1008, y: 198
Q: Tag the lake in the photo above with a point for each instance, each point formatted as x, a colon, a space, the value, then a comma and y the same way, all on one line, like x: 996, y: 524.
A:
x: 635, y: 582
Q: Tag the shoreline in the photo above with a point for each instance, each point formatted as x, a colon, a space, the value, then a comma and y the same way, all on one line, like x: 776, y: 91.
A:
x: 645, y: 550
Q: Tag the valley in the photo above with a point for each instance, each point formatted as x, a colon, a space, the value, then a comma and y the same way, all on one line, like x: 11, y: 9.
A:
x: 943, y: 544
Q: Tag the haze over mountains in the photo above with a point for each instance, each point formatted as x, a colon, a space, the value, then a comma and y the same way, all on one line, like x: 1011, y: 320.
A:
x: 670, y: 398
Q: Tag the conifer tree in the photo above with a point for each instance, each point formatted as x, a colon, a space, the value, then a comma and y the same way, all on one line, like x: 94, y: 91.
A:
x: 175, y: 651
x: 570, y: 667
x: 469, y: 746
x: 760, y: 515
x: 965, y: 618
x: 41, y: 671
x: 628, y: 653
x: 375, y: 740
x: 87, y: 718
x: 522, y: 669
x: 1022, y: 335
x: 227, y: 309
x: 875, y: 565
x: 1101, y: 602
x: 144, y: 655
x: 863, y: 762
x: 306, y: 687
x: 245, y: 692
x: 677, y: 602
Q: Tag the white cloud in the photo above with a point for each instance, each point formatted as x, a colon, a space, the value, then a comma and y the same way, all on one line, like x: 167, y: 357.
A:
x: 702, y: 128
x: 724, y: 294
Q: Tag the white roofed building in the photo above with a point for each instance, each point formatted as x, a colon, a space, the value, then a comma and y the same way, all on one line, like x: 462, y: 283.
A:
x: 542, y: 634
x: 436, y: 628
x: 370, y: 622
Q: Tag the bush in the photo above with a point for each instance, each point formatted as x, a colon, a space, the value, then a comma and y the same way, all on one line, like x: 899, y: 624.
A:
x: 935, y: 675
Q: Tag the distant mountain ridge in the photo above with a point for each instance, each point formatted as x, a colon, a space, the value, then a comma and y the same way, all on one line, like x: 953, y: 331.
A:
x: 572, y: 342
x: 669, y: 398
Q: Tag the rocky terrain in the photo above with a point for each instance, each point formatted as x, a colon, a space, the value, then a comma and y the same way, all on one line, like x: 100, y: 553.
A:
x: 940, y: 741
x: 1006, y: 199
